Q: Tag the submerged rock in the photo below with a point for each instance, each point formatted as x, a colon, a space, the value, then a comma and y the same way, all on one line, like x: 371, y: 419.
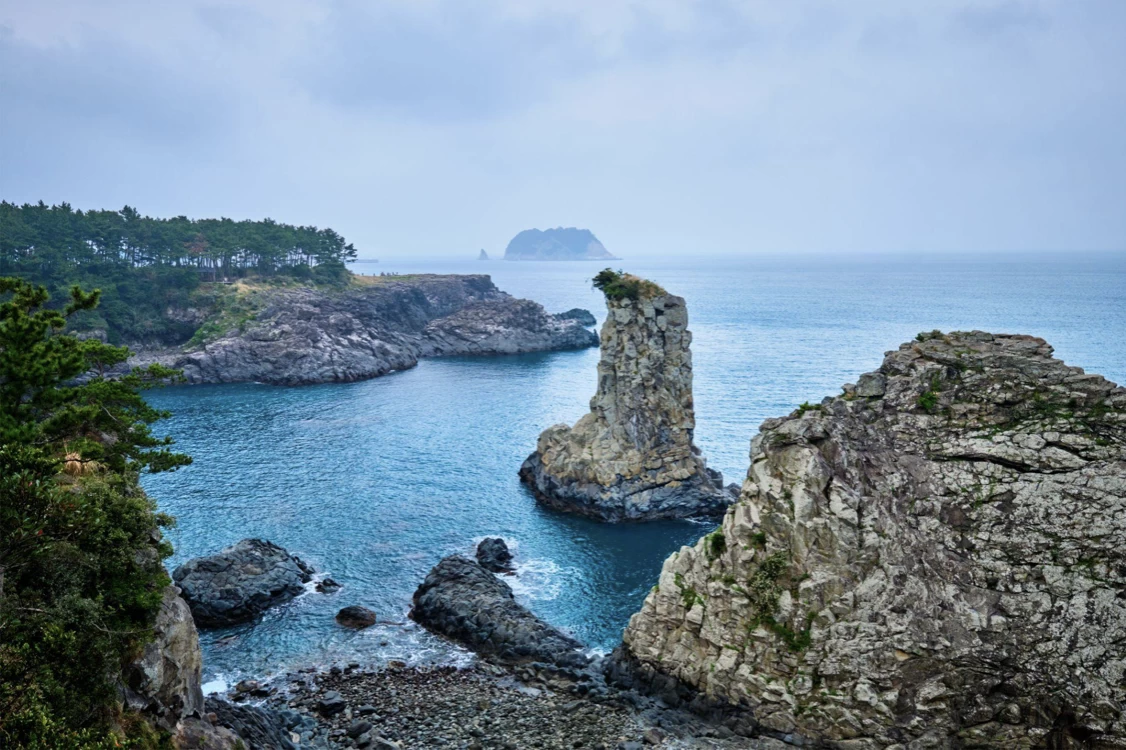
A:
x: 356, y: 617
x: 493, y: 554
x: 462, y: 601
x: 936, y: 558
x: 241, y: 582
x: 632, y: 457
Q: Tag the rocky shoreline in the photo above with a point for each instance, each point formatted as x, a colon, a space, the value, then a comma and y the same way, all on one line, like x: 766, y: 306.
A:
x: 304, y: 335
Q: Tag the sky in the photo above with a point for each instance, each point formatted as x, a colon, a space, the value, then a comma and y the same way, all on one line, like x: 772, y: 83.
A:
x: 431, y: 128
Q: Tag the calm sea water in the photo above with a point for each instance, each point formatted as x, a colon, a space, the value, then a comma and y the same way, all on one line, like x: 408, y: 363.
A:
x: 373, y: 482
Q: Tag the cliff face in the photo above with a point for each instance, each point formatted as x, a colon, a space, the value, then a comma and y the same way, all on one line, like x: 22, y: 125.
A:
x: 632, y: 457
x: 303, y: 335
x: 936, y: 558
x: 556, y: 244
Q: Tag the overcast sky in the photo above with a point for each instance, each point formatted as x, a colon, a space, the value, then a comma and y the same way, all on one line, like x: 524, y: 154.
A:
x: 438, y: 127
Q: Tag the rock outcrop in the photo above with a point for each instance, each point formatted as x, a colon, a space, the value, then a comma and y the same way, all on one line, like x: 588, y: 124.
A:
x: 295, y: 336
x: 241, y: 582
x: 632, y: 457
x: 493, y: 555
x: 577, y: 313
x: 466, y: 603
x: 483, y: 255
x: 556, y: 244
x: 165, y: 681
x: 934, y: 559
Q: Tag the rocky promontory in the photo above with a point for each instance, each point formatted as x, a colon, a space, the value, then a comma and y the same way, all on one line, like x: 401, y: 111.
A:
x: 632, y: 457
x: 935, y: 558
x: 375, y: 325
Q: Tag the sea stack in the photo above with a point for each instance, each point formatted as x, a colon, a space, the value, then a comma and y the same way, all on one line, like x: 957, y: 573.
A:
x: 632, y: 457
x: 934, y: 558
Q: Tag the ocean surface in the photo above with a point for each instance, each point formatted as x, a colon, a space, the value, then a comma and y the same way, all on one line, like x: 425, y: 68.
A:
x: 374, y: 482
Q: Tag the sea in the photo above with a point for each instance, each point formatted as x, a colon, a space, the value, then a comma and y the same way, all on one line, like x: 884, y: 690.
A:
x: 374, y: 482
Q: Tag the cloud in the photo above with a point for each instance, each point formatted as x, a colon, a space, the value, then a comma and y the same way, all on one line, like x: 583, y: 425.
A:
x: 425, y: 126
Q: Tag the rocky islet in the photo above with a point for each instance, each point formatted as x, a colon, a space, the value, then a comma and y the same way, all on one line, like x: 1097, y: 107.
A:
x: 632, y: 458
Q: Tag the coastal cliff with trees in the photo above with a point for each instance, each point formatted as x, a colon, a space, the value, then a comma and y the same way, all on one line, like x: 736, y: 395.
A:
x: 144, y: 266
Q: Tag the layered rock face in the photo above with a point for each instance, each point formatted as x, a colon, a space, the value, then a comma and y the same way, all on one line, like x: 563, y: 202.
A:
x: 241, y: 582
x: 632, y: 457
x: 304, y: 335
x: 935, y: 559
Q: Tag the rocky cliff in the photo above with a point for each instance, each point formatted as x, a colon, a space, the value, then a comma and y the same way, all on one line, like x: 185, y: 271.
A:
x: 299, y: 335
x: 556, y: 244
x: 632, y: 457
x: 934, y: 559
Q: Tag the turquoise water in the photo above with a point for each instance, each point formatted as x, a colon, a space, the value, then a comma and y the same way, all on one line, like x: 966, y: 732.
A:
x: 373, y: 482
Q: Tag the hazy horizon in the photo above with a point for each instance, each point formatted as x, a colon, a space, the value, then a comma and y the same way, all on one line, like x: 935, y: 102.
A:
x: 431, y: 130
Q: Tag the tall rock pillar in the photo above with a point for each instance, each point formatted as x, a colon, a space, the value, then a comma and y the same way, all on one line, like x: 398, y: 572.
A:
x: 632, y: 457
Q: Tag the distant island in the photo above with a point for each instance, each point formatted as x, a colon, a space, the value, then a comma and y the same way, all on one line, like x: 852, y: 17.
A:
x: 483, y: 255
x: 556, y: 244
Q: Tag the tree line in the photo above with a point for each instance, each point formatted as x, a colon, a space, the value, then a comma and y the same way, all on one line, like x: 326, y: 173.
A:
x: 51, y: 242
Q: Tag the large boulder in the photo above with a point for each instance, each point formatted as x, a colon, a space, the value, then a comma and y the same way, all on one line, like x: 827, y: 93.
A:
x: 241, y: 582
x: 934, y: 559
x: 462, y: 601
x: 632, y: 457
x: 493, y: 554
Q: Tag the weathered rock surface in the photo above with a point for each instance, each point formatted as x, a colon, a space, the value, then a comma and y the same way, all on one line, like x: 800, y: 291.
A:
x: 632, y: 457
x: 935, y: 559
x: 556, y: 244
x: 493, y: 554
x: 462, y: 601
x: 240, y: 583
x: 165, y: 682
x: 304, y: 335
x: 262, y: 728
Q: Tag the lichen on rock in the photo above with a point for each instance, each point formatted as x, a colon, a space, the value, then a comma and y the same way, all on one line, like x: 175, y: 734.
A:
x: 632, y: 457
x: 935, y: 558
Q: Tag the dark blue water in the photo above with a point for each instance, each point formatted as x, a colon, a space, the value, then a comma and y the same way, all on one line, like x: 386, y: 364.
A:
x: 373, y: 482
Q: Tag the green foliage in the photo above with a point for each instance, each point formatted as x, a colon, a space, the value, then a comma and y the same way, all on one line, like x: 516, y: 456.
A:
x: 806, y: 406
x: 928, y: 335
x: 715, y: 544
x: 617, y: 285
x: 80, y: 572
x: 144, y: 266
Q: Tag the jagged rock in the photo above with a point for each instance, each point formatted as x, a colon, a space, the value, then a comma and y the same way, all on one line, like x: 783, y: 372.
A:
x: 165, y: 682
x: 462, y: 601
x: 509, y: 326
x: 584, y: 317
x: 257, y: 726
x: 241, y: 582
x: 493, y: 554
x: 295, y: 336
x: 356, y: 617
x: 327, y: 586
x: 935, y: 559
x: 556, y: 244
x: 632, y: 457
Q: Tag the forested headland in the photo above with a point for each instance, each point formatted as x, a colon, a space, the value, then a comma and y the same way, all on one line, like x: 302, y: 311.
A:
x: 144, y: 266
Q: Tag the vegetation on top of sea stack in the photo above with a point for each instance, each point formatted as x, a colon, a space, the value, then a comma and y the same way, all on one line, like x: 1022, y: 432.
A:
x: 146, y: 266
x: 618, y: 285
x: 80, y: 549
